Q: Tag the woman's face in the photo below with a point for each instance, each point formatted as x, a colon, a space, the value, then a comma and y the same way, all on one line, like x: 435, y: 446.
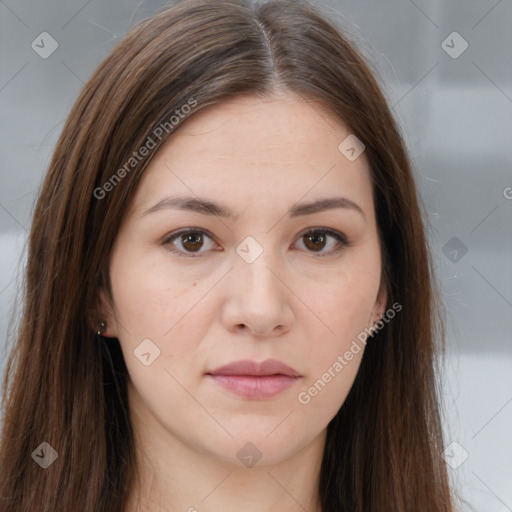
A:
x: 256, y: 286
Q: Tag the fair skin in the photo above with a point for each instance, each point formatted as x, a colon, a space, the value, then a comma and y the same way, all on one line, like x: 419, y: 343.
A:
x: 259, y: 157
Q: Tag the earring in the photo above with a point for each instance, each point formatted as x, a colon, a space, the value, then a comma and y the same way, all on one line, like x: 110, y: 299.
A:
x: 102, y: 329
x: 379, y: 320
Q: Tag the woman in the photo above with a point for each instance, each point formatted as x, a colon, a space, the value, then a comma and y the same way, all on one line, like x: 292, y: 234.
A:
x: 229, y: 300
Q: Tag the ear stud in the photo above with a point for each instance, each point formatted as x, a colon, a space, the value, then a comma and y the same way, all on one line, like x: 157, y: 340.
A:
x: 102, y: 329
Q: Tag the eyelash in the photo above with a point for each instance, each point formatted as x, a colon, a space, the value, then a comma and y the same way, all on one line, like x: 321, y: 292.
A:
x: 340, y: 237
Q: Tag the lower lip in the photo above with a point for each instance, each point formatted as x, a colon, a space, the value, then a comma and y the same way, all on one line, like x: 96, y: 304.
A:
x: 255, y: 387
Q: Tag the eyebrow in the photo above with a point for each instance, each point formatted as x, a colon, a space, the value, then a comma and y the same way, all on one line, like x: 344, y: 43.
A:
x: 207, y: 207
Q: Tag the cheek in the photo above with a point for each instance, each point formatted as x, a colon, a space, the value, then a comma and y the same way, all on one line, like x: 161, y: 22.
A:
x: 334, y: 356
x: 168, y: 308
x: 149, y: 299
x: 322, y: 395
x: 345, y: 304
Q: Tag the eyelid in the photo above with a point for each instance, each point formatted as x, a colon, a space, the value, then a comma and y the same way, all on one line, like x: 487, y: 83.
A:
x: 330, y: 231
x: 341, y: 238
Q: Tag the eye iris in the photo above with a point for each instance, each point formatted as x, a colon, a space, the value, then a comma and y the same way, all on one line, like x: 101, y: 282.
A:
x: 315, y: 238
x: 195, y: 239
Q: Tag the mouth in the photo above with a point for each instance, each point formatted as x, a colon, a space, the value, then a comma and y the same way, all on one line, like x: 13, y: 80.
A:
x: 254, y: 380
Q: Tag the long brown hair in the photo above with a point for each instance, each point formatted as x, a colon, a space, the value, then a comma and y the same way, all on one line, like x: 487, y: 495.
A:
x: 66, y: 387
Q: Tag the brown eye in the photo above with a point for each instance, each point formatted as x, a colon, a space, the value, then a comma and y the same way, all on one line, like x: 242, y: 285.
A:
x: 192, y: 241
x: 188, y: 242
x: 317, y: 239
x: 315, y: 242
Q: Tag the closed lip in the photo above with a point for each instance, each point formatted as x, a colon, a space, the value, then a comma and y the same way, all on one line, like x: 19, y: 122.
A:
x: 255, y: 368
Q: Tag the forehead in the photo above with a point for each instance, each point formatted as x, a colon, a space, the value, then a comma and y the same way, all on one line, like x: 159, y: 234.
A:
x: 281, y: 149
x: 246, y: 125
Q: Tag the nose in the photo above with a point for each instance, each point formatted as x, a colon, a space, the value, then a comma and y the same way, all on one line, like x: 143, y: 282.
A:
x: 258, y: 298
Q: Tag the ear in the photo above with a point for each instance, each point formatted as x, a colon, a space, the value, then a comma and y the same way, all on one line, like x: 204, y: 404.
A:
x: 379, y: 307
x: 105, y: 313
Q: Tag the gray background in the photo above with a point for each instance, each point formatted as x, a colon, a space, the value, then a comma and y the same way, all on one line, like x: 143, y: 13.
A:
x: 456, y: 116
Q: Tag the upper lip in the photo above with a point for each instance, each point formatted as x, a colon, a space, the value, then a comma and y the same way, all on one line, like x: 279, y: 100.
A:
x: 250, y: 367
